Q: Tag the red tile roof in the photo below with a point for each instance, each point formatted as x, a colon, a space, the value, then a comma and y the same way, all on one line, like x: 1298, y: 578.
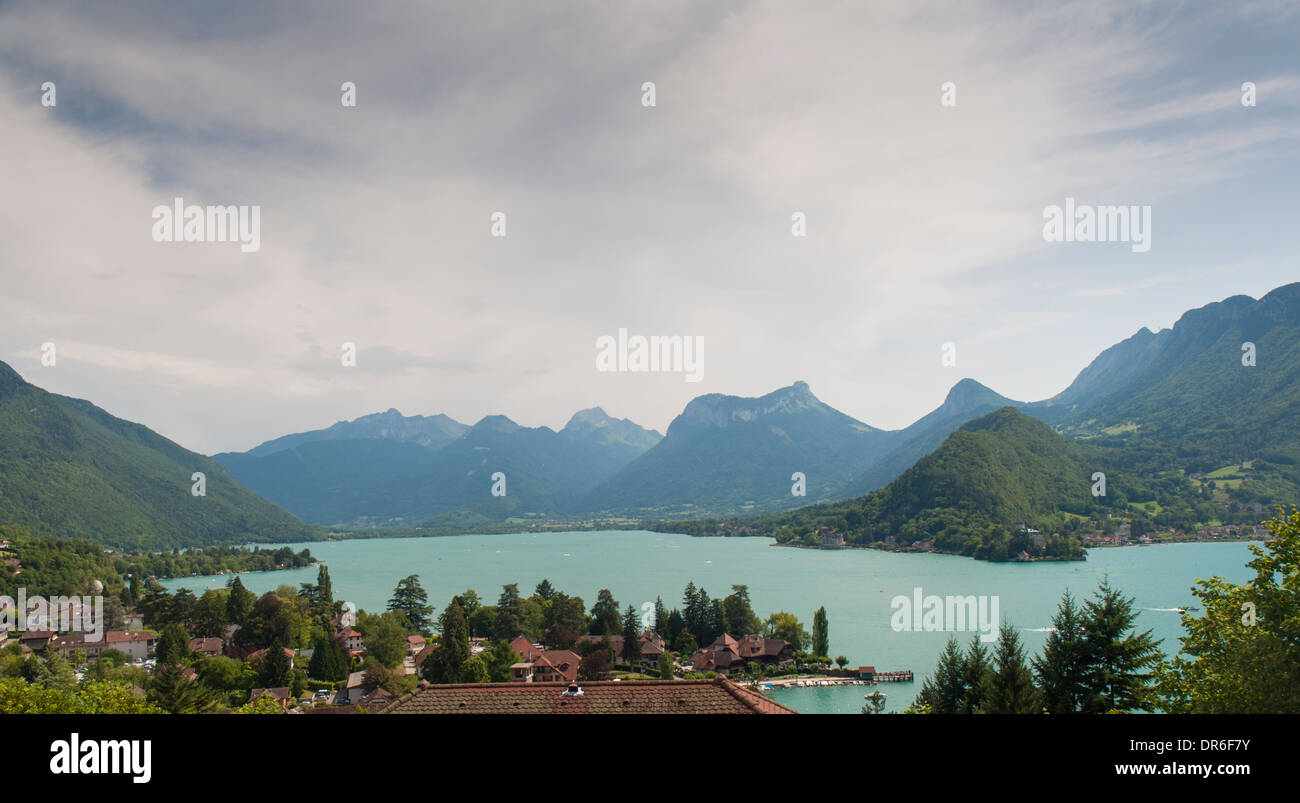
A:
x: 717, y: 696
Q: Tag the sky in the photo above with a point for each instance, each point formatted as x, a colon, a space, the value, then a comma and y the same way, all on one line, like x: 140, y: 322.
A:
x: 924, y: 221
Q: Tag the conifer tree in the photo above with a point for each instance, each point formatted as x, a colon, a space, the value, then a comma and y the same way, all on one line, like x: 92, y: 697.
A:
x: 1009, y: 688
x: 1062, y: 670
x: 175, y: 693
x: 976, y: 668
x: 412, y: 601
x: 1121, y: 663
x: 944, y: 692
x: 821, y: 640
x: 631, y: 637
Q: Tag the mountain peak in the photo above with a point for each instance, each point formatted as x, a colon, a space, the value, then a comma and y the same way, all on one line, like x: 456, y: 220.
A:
x: 589, y: 418
x: 496, y: 423
x: 968, y: 394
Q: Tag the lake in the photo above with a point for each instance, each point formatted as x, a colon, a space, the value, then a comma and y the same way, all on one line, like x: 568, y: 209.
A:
x: 855, y: 585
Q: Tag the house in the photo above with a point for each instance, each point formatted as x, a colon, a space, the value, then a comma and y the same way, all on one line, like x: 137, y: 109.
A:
x: 350, y: 640
x: 549, y: 667
x: 258, y: 655
x: 716, y: 696
x: 210, y: 647
x: 652, y: 645
x: 726, y: 654
x: 831, y: 539
x: 36, y: 639
x: 525, y: 649
x: 414, y: 644
x: 423, y: 655
x: 354, y: 690
x: 137, y: 644
x: 866, y: 673
x: 376, y: 700
x: 281, y: 694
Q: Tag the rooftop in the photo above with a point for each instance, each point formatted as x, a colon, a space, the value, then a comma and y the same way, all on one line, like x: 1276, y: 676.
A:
x: 717, y: 696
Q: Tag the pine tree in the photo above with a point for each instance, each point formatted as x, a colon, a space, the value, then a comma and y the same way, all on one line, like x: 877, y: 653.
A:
x: 545, y: 590
x: 173, y: 645
x: 510, y: 613
x: 1009, y: 688
x: 1121, y: 664
x: 175, y: 693
x: 631, y: 637
x: 445, y: 661
x: 945, y: 690
x: 692, y: 614
x: 277, y: 666
x: 412, y: 601
x: 239, y: 605
x: 661, y: 617
x: 1062, y: 670
x: 821, y: 641
x: 975, y: 670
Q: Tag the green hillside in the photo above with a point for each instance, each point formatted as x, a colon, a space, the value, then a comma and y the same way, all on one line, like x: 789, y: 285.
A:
x: 968, y: 497
x: 70, y: 470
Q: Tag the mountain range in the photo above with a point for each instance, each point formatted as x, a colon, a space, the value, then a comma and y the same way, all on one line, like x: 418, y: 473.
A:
x: 1162, y: 406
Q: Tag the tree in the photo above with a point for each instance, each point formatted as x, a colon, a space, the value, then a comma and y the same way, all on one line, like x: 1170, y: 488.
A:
x: 605, y: 618
x: 841, y: 661
x: 211, y: 614
x: 1242, y: 654
x: 173, y: 645
x: 276, y: 667
x: 329, y: 661
x: 631, y: 637
x: 176, y: 693
x: 975, y: 668
x: 499, y: 660
x: 717, y: 624
x: 545, y: 590
x: 320, y: 595
x: 661, y: 617
x: 384, y: 636
x: 741, y: 618
x: 239, y: 603
x: 563, y: 620
x: 692, y: 611
x: 944, y: 692
x: 510, y: 613
x: 821, y: 640
x: 594, y: 666
x: 474, y: 670
x: 1009, y: 688
x: 1062, y: 669
x: 1121, y: 663
x: 665, y: 666
x: 445, y: 661
x: 786, y: 626
x: 412, y: 601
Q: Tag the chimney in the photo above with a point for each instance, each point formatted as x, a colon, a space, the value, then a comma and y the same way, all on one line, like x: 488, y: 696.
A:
x: 574, y: 690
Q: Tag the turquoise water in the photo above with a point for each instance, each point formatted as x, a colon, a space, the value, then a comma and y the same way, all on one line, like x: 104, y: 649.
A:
x: 856, y: 586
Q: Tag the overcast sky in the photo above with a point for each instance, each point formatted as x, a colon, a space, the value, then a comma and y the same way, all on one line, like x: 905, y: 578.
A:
x: 924, y: 222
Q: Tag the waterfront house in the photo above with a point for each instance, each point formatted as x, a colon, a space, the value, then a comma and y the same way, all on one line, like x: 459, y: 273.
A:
x: 726, y: 654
